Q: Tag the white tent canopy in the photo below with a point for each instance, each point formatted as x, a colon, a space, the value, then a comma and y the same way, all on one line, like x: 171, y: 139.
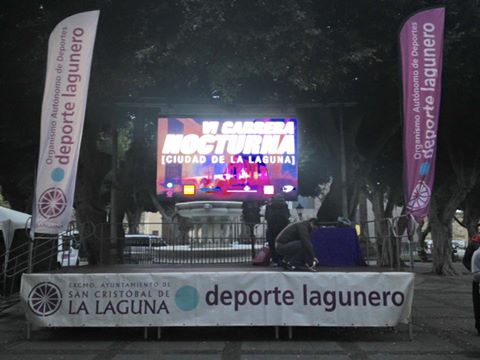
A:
x: 11, y: 220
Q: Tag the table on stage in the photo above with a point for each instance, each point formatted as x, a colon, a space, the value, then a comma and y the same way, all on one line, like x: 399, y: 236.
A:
x: 337, y: 246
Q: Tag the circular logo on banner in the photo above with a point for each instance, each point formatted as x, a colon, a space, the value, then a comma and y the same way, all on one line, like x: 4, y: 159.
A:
x: 420, y: 196
x: 52, y: 203
x: 58, y: 174
x: 186, y: 298
x: 424, y: 168
x: 45, y: 299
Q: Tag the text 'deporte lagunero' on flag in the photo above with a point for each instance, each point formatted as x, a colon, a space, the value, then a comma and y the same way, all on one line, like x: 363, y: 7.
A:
x: 421, y: 45
x: 70, y: 49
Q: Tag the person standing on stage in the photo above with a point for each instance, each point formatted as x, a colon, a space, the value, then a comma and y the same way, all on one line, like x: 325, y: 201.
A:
x: 293, y: 243
x: 471, y: 261
x: 277, y: 216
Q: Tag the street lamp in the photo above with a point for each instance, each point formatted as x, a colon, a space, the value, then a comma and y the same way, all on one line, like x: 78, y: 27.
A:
x: 299, y: 209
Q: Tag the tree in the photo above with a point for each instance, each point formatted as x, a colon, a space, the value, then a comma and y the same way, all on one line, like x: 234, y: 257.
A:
x: 303, y: 52
x: 3, y: 202
x: 22, y: 41
x: 458, y: 166
x: 471, y: 211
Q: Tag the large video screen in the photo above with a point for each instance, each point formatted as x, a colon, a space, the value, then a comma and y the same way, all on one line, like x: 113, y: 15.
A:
x: 226, y: 159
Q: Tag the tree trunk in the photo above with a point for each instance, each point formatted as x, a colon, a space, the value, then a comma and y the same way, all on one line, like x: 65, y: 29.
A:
x: 393, y: 248
x: 133, y: 218
x: 89, y: 203
x: 444, y: 203
x: 122, y: 198
x: 363, y: 214
x: 175, y: 227
x: 366, y: 227
x: 381, y: 229
x: 423, y: 234
x: 441, y: 229
x: 387, y: 247
x: 471, y: 216
x: 331, y: 209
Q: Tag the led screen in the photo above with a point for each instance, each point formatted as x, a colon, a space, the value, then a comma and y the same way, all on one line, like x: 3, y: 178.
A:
x: 226, y: 159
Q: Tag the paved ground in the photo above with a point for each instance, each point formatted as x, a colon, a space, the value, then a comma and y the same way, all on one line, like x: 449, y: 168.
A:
x: 443, y: 329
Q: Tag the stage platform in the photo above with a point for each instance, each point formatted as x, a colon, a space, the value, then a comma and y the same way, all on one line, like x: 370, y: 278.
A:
x: 187, y: 268
x: 216, y: 295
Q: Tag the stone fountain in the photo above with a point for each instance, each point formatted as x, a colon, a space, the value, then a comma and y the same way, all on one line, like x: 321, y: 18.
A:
x: 214, y: 222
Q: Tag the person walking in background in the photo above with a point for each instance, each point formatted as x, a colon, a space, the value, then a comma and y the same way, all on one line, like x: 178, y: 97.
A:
x: 471, y: 261
x: 293, y: 243
x: 277, y: 216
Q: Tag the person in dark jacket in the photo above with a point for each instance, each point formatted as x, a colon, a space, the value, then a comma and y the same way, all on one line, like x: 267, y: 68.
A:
x: 293, y: 243
x: 277, y: 216
x: 473, y: 245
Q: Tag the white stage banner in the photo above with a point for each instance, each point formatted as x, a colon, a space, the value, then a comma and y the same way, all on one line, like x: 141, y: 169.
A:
x: 218, y: 299
x: 70, y: 50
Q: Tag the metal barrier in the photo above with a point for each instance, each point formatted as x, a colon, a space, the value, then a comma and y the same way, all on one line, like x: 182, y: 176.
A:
x: 389, y: 242
x: 191, y: 243
x: 385, y: 242
x: 43, y: 253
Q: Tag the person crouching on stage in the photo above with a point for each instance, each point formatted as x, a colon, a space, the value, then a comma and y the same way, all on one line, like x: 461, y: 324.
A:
x: 293, y: 243
x: 471, y: 260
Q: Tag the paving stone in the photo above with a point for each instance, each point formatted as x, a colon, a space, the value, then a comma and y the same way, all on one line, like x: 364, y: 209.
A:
x: 68, y: 346
x: 169, y: 357
x: 310, y: 346
x: 166, y: 346
x: 47, y: 357
x: 300, y: 357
